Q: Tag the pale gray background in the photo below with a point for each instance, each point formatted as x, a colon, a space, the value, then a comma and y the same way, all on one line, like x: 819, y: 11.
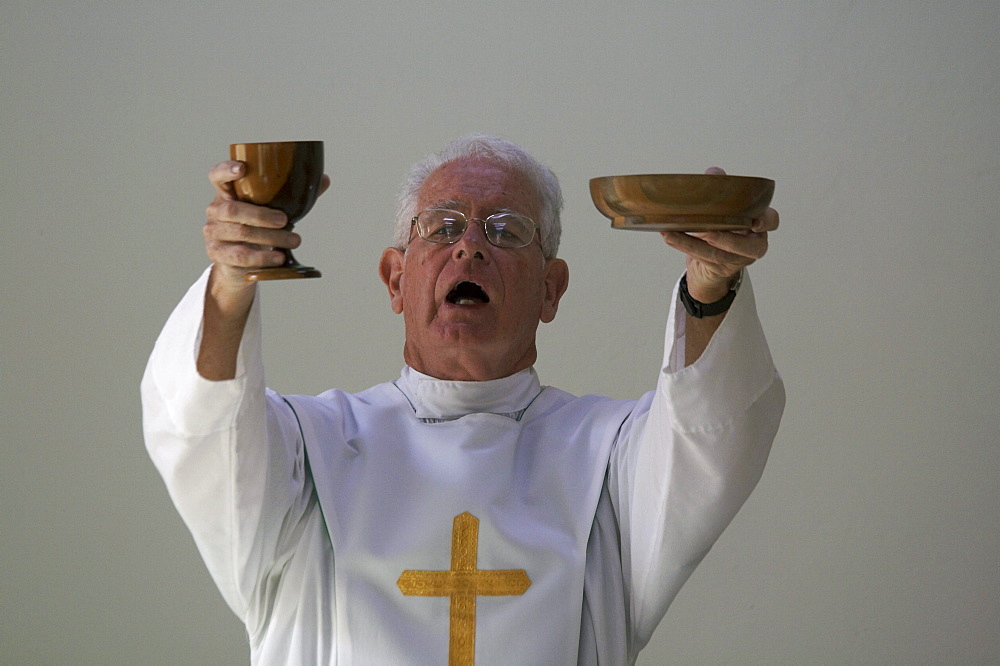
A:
x: 873, y: 536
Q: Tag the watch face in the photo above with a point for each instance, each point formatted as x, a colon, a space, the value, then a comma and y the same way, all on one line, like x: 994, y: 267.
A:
x: 739, y: 281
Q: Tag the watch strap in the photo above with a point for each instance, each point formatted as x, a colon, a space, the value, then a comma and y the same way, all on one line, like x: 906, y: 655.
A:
x: 699, y: 310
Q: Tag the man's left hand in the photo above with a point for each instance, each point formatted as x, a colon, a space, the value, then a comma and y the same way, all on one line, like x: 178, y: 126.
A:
x: 715, y: 257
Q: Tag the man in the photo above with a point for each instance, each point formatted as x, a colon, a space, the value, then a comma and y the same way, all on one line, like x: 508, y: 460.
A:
x: 463, y: 511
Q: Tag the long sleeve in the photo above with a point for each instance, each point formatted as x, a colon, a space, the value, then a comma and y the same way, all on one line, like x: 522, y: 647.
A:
x: 229, y: 453
x: 690, y: 456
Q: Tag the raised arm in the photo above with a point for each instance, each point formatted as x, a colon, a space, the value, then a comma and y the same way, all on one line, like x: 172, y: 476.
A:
x: 690, y: 458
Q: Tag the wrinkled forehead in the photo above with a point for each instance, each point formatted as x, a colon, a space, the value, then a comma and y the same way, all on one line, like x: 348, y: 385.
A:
x: 481, y: 184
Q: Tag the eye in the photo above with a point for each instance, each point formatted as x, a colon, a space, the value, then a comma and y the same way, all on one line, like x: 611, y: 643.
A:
x: 441, y: 226
x: 502, y: 231
x: 446, y: 229
x: 509, y: 229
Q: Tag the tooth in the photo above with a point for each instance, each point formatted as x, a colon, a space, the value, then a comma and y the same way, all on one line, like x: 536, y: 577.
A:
x: 465, y: 301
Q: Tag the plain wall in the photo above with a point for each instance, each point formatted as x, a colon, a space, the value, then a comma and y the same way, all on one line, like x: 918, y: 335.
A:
x: 873, y: 536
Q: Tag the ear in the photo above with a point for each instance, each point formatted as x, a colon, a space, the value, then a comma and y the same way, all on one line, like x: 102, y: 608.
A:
x: 390, y: 269
x: 556, y: 283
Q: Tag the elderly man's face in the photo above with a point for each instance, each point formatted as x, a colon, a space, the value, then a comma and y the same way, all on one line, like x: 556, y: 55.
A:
x: 471, y: 309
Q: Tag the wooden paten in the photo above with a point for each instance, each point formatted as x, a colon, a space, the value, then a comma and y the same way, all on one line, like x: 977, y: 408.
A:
x: 681, y: 202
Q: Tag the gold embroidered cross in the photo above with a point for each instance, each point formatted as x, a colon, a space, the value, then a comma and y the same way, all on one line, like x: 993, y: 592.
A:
x: 463, y: 583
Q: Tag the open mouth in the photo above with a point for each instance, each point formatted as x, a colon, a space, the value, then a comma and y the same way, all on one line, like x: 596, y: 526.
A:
x: 467, y: 293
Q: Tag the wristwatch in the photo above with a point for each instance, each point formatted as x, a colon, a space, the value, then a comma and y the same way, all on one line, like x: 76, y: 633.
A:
x: 698, y: 310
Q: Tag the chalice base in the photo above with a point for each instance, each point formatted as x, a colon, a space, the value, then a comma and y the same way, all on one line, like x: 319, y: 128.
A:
x: 282, y: 273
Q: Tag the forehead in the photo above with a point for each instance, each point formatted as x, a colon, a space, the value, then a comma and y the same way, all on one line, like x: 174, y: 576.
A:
x: 480, y: 183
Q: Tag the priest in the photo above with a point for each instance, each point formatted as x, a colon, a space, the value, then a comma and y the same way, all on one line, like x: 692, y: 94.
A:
x: 464, y: 511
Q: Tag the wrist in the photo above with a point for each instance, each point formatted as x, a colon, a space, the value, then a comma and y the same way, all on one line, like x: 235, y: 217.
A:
x: 707, y: 293
x: 703, y: 301
x: 229, y: 293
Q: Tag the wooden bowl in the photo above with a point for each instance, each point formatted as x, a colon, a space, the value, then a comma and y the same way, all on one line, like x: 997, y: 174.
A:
x: 681, y: 202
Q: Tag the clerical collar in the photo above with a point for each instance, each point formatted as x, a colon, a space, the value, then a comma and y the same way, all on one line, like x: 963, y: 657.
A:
x: 446, y: 400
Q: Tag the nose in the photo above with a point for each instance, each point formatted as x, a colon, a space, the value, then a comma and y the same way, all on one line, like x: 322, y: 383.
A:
x: 473, y: 243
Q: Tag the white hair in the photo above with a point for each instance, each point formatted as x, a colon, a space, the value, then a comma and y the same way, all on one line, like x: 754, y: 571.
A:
x: 496, y: 149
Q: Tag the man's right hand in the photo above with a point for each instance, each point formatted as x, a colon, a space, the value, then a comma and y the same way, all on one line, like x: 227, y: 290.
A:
x: 238, y: 236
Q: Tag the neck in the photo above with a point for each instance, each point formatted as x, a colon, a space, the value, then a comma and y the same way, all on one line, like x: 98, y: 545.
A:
x: 467, y: 365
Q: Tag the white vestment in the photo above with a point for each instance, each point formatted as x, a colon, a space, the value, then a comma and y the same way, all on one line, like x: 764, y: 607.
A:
x: 307, y: 510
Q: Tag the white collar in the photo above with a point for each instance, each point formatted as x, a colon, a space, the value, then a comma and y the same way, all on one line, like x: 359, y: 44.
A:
x: 445, y: 400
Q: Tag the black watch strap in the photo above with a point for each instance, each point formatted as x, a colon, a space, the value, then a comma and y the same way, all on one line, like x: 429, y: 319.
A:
x: 698, y: 310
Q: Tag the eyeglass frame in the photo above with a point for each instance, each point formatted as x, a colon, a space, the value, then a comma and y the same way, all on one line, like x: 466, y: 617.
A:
x: 486, y: 235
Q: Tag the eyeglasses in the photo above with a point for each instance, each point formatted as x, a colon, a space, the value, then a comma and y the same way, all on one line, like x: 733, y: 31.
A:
x: 444, y: 226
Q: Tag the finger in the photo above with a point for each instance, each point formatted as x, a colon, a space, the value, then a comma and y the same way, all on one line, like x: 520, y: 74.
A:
x: 219, y: 231
x: 752, y: 245
x: 241, y: 246
x: 701, y: 249
x: 223, y: 209
x: 719, y: 248
x: 243, y: 255
x: 767, y: 222
x: 739, y: 242
x: 324, y: 184
x: 223, y: 174
x: 715, y: 171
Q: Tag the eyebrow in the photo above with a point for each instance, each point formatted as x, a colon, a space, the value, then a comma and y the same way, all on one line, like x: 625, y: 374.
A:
x: 450, y: 204
x: 454, y: 204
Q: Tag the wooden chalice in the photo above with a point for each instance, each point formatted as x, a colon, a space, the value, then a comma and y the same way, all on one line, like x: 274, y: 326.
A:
x: 285, y: 175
